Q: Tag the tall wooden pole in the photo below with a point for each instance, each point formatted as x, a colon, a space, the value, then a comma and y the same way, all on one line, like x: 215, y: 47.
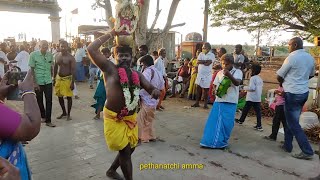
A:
x: 258, y: 42
x: 205, y: 23
x: 317, y: 98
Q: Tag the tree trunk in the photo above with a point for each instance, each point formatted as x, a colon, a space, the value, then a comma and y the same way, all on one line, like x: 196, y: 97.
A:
x: 108, y: 11
x: 205, y: 19
x: 155, y: 40
x: 158, y: 11
x: 172, y: 12
x: 106, y: 5
x: 142, y: 28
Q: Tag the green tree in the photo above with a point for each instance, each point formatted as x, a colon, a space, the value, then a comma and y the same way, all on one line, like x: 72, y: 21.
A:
x: 299, y: 16
x: 315, y: 51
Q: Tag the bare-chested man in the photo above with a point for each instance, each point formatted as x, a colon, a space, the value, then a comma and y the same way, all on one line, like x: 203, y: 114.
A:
x: 120, y: 125
x: 64, y: 73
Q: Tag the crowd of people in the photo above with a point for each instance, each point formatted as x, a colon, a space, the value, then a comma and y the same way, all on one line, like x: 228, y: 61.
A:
x: 216, y: 72
x: 128, y: 92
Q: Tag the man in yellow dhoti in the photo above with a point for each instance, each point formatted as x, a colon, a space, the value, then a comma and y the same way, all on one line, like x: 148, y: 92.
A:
x: 115, y: 128
x: 64, y: 73
x: 121, y: 82
x: 62, y: 86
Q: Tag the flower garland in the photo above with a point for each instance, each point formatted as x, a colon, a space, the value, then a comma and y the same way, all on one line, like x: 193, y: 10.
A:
x: 124, y: 81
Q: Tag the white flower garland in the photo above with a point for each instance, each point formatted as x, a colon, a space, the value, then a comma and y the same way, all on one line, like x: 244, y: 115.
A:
x: 127, y: 95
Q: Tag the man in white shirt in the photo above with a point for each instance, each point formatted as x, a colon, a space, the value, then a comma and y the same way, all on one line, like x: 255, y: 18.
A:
x: 80, y: 58
x: 205, y: 61
x: 159, y: 65
x: 54, y: 49
x: 238, y: 57
x: 22, y: 59
x: 294, y: 76
x: 3, y: 59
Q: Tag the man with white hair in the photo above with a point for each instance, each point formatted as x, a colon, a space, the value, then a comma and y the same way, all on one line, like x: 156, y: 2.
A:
x: 205, y: 61
x: 159, y: 65
x: 41, y: 63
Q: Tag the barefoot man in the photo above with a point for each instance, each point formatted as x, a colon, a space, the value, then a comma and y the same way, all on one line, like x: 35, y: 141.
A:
x: 64, y: 73
x: 122, y: 89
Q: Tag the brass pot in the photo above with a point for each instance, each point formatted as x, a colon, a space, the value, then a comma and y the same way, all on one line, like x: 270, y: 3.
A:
x: 124, y: 40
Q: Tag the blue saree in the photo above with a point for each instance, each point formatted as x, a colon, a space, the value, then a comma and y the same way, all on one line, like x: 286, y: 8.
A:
x: 100, y: 94
x: 15, y: 154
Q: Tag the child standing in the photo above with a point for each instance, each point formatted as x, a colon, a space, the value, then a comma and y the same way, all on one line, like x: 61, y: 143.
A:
x: 221, y: 118
x: 279, y: 115
x: 253, y: 99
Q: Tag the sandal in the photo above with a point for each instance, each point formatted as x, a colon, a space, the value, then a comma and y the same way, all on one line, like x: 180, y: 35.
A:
x: 195, y: 105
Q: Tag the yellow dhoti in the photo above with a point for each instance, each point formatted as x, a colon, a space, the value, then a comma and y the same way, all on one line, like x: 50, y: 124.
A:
x: 120, y: 133
x: 62, y: 86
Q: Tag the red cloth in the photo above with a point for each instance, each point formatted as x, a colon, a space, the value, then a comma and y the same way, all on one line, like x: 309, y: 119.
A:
x: 184, y: 71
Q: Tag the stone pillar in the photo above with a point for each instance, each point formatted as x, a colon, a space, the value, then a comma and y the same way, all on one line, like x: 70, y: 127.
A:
x: 55, y: 28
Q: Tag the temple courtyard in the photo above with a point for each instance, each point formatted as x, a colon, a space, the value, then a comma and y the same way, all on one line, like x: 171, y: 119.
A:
x: 76, y: 149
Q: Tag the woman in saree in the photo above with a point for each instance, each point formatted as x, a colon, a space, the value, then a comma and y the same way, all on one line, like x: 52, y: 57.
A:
x: 99, y: 96
x: 194, y: 72
x: 16, y: 127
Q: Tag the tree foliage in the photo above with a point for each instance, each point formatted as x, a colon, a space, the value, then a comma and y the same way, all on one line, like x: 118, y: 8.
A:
x: 300, y: 16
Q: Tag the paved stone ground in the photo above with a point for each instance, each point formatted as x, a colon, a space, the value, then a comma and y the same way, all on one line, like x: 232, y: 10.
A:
x: 76, y: 149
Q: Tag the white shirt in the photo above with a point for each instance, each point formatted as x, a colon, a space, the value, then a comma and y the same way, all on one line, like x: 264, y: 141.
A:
x: 159, y: 65
x: 165, y: 62
x: 254, y: 89
x: 238, y: 58
x: 23, y: 61
x: 233, y: 91
x: 157, y: 81
x: 80, y: 54
x: 204, y: 71
x: 4, y: 57
x: 295, y: 71
x: 54, y: 51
